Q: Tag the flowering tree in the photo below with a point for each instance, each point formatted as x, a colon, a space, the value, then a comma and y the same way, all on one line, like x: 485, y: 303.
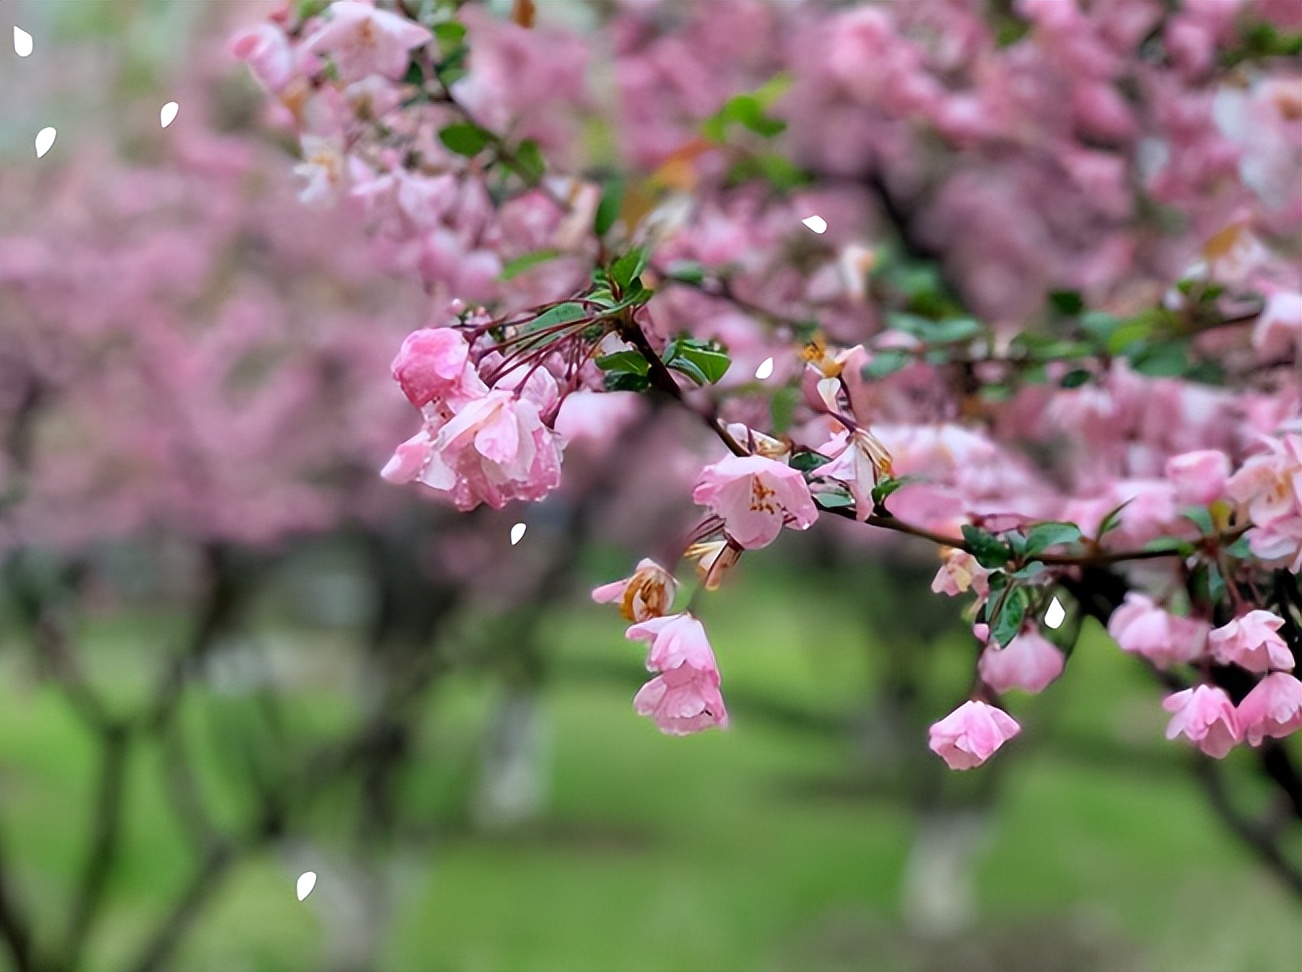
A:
x: 1018, y: 280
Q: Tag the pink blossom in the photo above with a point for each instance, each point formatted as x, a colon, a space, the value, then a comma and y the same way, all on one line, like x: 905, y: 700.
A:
x: 408, y: 459
x: 862, y: 462
x: 1029, y: 662
x: 267, y: 52
x: 1252, y: 642
x: 678, y: 639
x: 430, y: 364
x: 681, y: 701
x: 1273, y: 708
x: 1199, y: 477
x: 648, y: 594
x: 1270, y: 486
x: 969, y: 735
x: 495, y: 449
x: 958, y: 573
x: 685, y: 696
x: 755, y: 497
x: 1204, y: 715
x: 1141, y: 627
x: 1279, y: 329
x: 363, y: 40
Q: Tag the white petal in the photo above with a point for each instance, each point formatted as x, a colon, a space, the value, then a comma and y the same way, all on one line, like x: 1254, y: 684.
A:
x: 306, y: 882
x: 168, y: 114
x: 765, y: 369
x: 816, y: 223
x: 1055, y: 615
x: 44, y: 139
x: 22, y: 42
x: 517, y: 532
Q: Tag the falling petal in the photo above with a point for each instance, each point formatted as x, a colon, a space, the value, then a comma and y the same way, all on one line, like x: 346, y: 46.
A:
x: 1055, y: 615
x: 22, y: 42
x: 168, y: 113
x: 765, y: 369
x: 44, y: 139
x: 306, y: 882
x: 816, y: 223
x: 517, y: 532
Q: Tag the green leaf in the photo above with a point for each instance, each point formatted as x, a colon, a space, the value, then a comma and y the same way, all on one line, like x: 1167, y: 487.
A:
x: 415, y: 74
x: 688, y: 271
x: 450, y: 33
x: 624, y: 361
x: 560, y: 314
x: 463, y: 138
x: 706, y: 362
x: 806, y: 461
x: 528, y: 161
x: 989, y: 551
x: 885, y: 487
x: 688, y: 368
x: 1170, y: 545
x: 783, y: 408
x: 1111, y: 520
x: 1012, y: 612
x: 1240, y: 549
x: 1042, y: 536
x: 1201, y: 517
x: 1032, y: 569
x: 1099, y: 325
x: 612, y: 198
x: 833, y: 500
x: 955, y: 330
x: 1067, y: 302
x: 1169, y: 359
x: 626, y: 381
x: 627, y: 268
x: 526, y: 262
x: 886, y: 362
x: 745, y: 110
x: 1076, y: 378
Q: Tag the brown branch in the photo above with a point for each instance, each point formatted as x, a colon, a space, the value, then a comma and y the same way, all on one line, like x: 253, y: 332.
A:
x: 107, y: 831
x: 15, y: 925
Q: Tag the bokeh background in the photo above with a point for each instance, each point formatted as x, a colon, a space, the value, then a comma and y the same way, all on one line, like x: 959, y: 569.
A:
x: 229, y: 654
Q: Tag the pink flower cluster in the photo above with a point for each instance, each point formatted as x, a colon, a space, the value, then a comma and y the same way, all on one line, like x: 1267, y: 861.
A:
x: 684, y: 696
x: 1204, y: 714
x: 478, y: 445
x: 1269, y: 486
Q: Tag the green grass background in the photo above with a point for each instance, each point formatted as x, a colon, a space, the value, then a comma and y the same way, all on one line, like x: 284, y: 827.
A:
x: 773, y: 846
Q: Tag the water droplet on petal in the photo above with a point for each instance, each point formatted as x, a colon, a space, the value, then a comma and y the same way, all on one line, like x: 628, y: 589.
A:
x: 44, y: 139
x: 517, y: 532
x: 816, y: 223
x: 1055, y: 614
x: 306, y: 882
x: 765, y: 369
x: 22, y: 42
x: 168, y: 113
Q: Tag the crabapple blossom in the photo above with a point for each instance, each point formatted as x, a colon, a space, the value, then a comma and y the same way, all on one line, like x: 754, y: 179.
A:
x: 1251, y: 641
x: 1199, y: 477
x: 361, y: 40
x: 648, y: 594
x: 684, y: 697
x: 432, y: 364
x: 1272, y: 709
x: 756, y: 497
x: 1165, y: 639
x: 960, y: 572
x: 971, y: 734
x: 682, y: 700
x: 1029, y: 662
x: 1206, y: 717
